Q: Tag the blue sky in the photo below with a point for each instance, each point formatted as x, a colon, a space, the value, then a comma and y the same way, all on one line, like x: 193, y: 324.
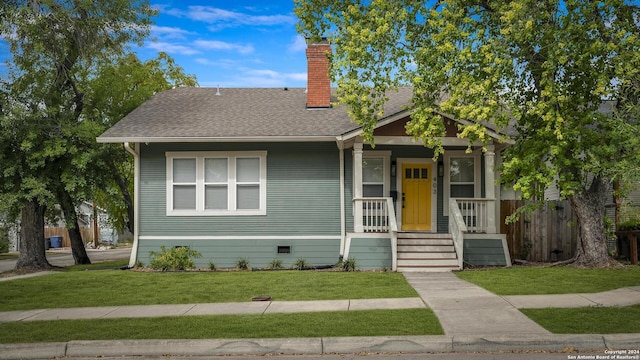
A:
x: 239, y: 43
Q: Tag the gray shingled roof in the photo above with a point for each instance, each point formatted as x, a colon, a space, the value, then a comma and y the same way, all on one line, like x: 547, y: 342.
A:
x: 197, y: 113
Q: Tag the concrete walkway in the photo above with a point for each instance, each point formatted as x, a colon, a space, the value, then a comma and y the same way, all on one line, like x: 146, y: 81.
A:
x: 467, y: 309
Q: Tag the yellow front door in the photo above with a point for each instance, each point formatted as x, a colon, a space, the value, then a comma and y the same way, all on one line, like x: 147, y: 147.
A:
x: 416, y: 197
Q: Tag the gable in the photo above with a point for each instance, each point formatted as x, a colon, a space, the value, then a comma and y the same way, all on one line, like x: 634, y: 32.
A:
x: 398, y: 128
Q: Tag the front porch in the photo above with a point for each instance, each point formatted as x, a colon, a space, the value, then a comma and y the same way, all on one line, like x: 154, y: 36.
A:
x: 471, y: 239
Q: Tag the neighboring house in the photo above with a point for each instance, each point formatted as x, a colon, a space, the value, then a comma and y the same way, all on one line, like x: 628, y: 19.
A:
x: 271, y: 174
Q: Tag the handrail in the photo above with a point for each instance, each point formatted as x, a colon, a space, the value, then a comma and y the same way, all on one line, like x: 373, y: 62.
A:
x: 393, y: 232
x: 457, y: 228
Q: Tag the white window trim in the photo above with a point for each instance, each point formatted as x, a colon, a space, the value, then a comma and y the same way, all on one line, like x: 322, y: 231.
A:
x: 231, y: 184
x: 386, y: 164
x: 447, y: 181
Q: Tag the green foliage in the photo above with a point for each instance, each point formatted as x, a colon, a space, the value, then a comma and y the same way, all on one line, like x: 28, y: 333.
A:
x: 4, y: 247
x: 525, y: 249
x: 176, y: 258
x: 212, y: 266
x: 565, y: 77
x: 4, y: 239
x: 276, y: 264
x: 243, y: 264
x: 348, y: 264
x: 301, y: 264
x: 629, y: 225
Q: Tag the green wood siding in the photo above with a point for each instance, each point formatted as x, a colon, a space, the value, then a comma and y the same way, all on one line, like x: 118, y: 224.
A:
x: 260, y: 252
x: 481, y: 252
x: 371, y: 253
x: 303, y: 193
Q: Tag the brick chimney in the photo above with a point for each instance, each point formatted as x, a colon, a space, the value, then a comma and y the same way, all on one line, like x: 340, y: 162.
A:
x: 318, y: 82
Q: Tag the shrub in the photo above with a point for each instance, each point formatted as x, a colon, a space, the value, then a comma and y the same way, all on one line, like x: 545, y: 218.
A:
x: 243, y: 264
x: 348, y: 264
x: 301, y: 264
x: 275, y: 264
x: 177, y: 258
x: 4, y: 239
x: 4, y: 247
x: 629, y: 225
x: 212, y: 266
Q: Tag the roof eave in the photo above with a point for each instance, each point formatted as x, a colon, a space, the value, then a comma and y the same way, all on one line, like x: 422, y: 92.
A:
x: 205, y: 139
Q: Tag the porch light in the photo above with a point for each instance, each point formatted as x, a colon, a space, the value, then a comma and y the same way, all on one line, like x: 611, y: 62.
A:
x: 440, y: 169
x: 393, y: 168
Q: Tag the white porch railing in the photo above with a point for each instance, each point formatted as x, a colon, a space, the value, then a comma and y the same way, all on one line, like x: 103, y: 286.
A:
x: 478, y: 214
x: 469, y: 216
x: 377, y: 215
x: 457, y: 229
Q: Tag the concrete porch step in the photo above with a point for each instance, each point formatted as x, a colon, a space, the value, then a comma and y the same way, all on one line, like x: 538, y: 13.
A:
x: 426, y: 255
x: 425, y: 248
x: 418, y: 242
x: 426, y: 252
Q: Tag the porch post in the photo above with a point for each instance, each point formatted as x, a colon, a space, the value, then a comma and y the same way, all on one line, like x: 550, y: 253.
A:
x: 490, y: 188
x: 357, y: 184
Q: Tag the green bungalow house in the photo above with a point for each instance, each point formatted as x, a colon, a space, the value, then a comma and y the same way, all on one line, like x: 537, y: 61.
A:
x: 269, y: 174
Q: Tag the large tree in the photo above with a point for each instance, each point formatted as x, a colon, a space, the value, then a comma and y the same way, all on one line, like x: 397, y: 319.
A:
x: 56, y: 47
x: 118, y: 88
x: 555, y: 70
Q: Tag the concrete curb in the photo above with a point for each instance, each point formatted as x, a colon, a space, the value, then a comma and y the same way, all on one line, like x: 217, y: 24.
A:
x: 318, y: 346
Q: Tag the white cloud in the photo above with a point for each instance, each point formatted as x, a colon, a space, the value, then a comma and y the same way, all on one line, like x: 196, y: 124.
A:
x: 299, y: 44
x: 275, y: 75
x: 221, y: 45
x: 172, y: 48
x: 169, y: 32
x: 220, y: 18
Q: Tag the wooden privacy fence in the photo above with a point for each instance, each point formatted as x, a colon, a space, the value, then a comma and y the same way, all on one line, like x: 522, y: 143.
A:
x: 547, y: 234
x: 86, y: 232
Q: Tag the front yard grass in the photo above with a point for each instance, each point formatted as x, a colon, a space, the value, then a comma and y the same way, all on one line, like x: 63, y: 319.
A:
x: 551, y: 280
x: 321, y: 324
x: 119, y: 287
x: 588, y: 320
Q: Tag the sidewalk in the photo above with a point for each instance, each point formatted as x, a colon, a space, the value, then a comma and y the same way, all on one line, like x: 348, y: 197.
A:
x: 473, y: 320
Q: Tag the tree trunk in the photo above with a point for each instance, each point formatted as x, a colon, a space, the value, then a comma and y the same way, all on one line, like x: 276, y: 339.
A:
x: 592, y: 242
x: 71, y: 219
x: 32, y: 252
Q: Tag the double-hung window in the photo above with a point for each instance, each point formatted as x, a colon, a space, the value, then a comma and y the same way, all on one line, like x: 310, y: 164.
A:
x: 216, y: 183
x: 462, y: 174
x: 375, y: 173
x: 373, y: 177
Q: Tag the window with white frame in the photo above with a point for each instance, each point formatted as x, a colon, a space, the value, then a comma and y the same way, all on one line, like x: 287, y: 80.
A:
x: 461, y: 177
x: 375, y: 173
x: 373, y: 177
x: 216, y: 183
x: 462, y: 180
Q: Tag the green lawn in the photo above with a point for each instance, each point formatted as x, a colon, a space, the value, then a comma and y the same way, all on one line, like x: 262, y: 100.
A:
x: 551, y: 280
x: 321, y: 324
x: 588, y: 320
x: 119, y: 287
